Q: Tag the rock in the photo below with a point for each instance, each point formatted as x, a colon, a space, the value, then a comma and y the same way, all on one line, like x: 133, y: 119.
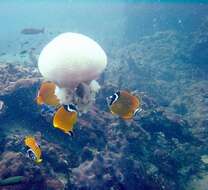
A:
x: 2, y: 108
x: 54, y: 184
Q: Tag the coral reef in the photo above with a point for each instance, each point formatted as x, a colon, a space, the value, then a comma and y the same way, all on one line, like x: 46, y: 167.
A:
x: 11, y: 73
x: 139, y: 154
x: 106, y: 152
x: 14, y: 162
x: 18, y: 84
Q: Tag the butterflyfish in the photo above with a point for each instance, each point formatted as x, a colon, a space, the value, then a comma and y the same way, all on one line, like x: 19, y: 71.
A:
x: 124, y: 104
x: 65, y: 118
x: 46, y: 94
x: 34, y: 151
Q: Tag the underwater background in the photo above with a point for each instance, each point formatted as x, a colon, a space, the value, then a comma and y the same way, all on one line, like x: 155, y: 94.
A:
x: 157, y: 49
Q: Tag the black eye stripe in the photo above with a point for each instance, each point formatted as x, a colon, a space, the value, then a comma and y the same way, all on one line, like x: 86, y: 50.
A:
x: 118, y: 93
x: 70, y: 108
x: 31, y: 154
x: 114, y: 97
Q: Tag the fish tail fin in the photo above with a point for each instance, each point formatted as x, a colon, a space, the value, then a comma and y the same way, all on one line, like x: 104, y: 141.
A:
x: 136, y: 116
x: 38, y: 161
x: 138, y: 110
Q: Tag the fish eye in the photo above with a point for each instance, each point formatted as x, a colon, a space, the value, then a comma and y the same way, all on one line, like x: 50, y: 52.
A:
x: 109, y: 98
x: 72, y: 106
x: 114, y: 96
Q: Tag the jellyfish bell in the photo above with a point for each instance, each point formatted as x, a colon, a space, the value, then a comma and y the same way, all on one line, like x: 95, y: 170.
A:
x: 69, y: 60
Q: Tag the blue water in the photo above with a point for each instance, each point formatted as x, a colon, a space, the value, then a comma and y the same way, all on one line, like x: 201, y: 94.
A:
x: 56, y: 17
x: 108, y: 23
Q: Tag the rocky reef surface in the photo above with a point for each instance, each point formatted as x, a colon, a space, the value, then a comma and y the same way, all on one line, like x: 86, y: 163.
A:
x: 169, y: 66
x: 161, y: 149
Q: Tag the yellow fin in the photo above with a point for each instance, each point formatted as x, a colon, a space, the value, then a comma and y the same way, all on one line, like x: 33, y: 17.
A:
x: 38, y: 161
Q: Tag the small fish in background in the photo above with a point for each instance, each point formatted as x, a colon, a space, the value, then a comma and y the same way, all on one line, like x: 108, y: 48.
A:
x: 1, y: 54
x: 65, y: 118
x: 34, y: 151
x: 32, y: 31
x: 124, y: 104
x: 11, y: 180
x: 46, y: 94
x: 23, y: 52
x: 26, y: 42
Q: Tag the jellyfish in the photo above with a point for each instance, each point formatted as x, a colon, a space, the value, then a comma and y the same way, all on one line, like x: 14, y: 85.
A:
x: 73, y: 62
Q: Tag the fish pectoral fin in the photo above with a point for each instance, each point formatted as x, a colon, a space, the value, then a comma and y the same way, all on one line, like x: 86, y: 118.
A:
x: 113, y: 112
